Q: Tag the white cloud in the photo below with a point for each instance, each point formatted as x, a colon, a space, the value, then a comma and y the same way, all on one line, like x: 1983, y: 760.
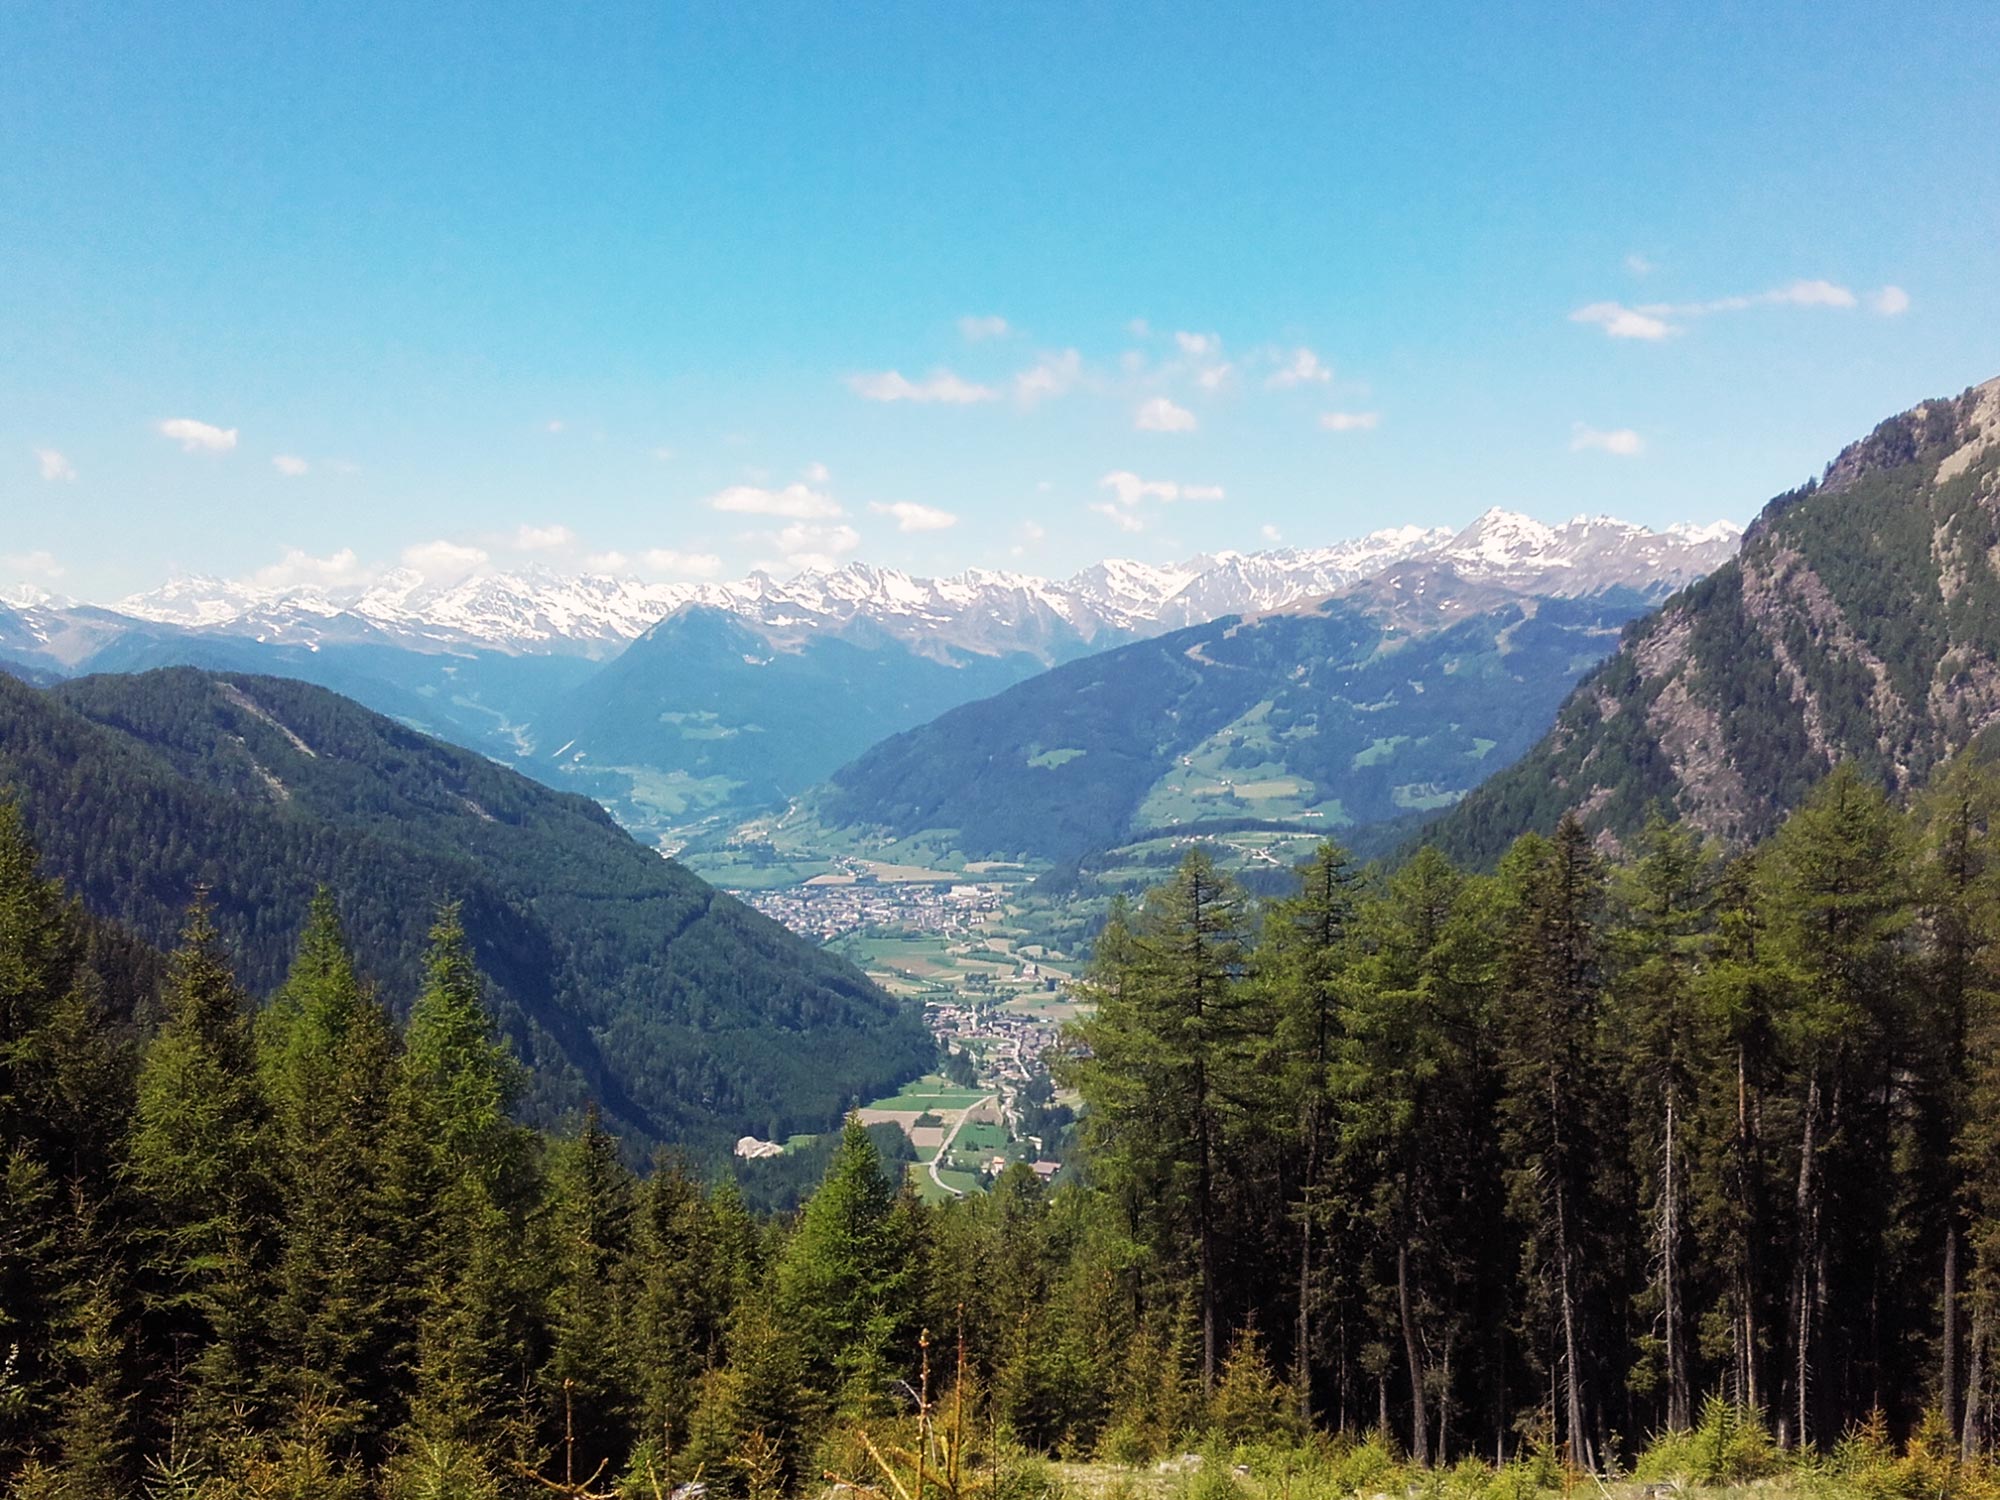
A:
x: 1890, y: 301
x: 817, y: 473
x: 1139, y: 328
x: 1812, y: 294
x: 1129, y: 490
x: 1270, y: 533
x: 794, y: 502
x: 941, y: 386
x: 54, y: 466
x: 1301, y: 367
x: 911, y: 516
x: 1161, y: 415
x: 1350, y: 421
x: 40, y: 563
x: 1639, y: 265
x: 976, y: 329
x: 1050, y: 376
x: 664, y: 455
x: 815, y: 548
x: 1198, y: 344
x: 296, y: 567
x: 1658, y: 320
x: 613, y: 561
x: 1216, y: 376
x: 444, y: 562
x: 1621, y: 322
x: 198, y: 437
x: 542, y: 538
x: 554, y: 425
x: 290, y: 466
x: 1033, y: 531
x: 1124, y: 520
x: 1622, y: 441
x: 678, y: 564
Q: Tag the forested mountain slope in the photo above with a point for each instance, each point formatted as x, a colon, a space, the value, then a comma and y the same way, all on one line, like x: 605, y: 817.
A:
x: 691, y: 1017
x: 1354, y: 712
x: 1861, y: 621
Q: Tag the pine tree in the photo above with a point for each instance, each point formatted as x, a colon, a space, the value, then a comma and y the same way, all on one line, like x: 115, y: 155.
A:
x: 1838, y: 885
x: 843, y: 1276
x: 1554, y: 1113
x: 588, y: 1380
x: 468, y: 1186
x: 1167, y: 1069
x: 327, y: 1060
x: 199, y: 1163
x: 1417, y: 1087
x: 1306, y: 957
x: 1658, y: 946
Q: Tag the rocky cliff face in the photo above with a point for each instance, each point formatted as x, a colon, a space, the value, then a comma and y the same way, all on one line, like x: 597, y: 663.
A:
x: 1860, y: 621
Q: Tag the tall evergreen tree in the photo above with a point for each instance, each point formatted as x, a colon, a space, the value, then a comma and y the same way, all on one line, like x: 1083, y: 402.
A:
x: 199, y: 1163
x: 1308, y: 949
x: 327, y: 1061
x: 1557, y: 1132
x: 1168, y: 1067
x: 1839, y: 891
x: 1662, y: 901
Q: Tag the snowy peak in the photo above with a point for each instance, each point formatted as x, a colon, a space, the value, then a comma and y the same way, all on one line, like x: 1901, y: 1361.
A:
x: 981, y: 611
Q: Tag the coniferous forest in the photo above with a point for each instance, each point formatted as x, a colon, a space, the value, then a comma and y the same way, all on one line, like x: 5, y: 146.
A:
x: 1649, y: 1158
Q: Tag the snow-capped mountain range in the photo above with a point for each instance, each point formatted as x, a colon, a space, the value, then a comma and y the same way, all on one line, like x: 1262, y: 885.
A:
x: 540, y: 611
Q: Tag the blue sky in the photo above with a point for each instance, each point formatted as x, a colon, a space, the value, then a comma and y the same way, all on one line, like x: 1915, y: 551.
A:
x: 557, y: 282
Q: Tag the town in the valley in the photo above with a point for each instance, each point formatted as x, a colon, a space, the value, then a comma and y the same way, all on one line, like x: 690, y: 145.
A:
x: 995, y: 1002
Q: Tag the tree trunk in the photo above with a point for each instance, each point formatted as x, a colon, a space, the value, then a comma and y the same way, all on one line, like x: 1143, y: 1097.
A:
x: 1748, y: 1387
x: 1420, y: 1445
x: 1803, y: 1290
x: 1678, y: 1398
x: 1948, y: 1351
x: 1205, y: 1216
x: 1572, y: 1362
x: 1303, y: 1376
x: 1973, y: 1437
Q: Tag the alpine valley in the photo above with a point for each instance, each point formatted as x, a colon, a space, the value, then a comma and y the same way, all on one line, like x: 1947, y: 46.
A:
x: 687, y: 708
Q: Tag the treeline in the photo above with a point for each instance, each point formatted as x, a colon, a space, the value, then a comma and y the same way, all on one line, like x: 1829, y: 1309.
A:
x: 1532, y: 1164
x: 1569, y: 1147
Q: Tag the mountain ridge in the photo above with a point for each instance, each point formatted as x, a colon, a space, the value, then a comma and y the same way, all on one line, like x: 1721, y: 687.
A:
x: 1860, y: 621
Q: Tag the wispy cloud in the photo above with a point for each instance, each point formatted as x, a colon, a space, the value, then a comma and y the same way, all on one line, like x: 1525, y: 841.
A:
x: 1889, y: 301
x: 1198, y: 345
x: 816, y: 473
x: 667, y: 562
x: 1300, y: 367
x: 1621, y: 322
x: 1270, y: 533
x: 198, y: 437
x: 1130, y: 493
x: 1639, y: 265
x: 1622, y: 441
x: 289, y: 465
x: 1162, y: 415
x: 1054, y: 374
x: 910, y: 516
x: 542, y: 538
x: 1350, y: 421
x: 795, y: 502
x: 54, y: 467
x: 941, y: 387
x: 814, y: 548
x: 1653, y: 321
x: 976, y: 329
x: 296, y: 568
x: 445, y: 562
x: 39, y: 563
